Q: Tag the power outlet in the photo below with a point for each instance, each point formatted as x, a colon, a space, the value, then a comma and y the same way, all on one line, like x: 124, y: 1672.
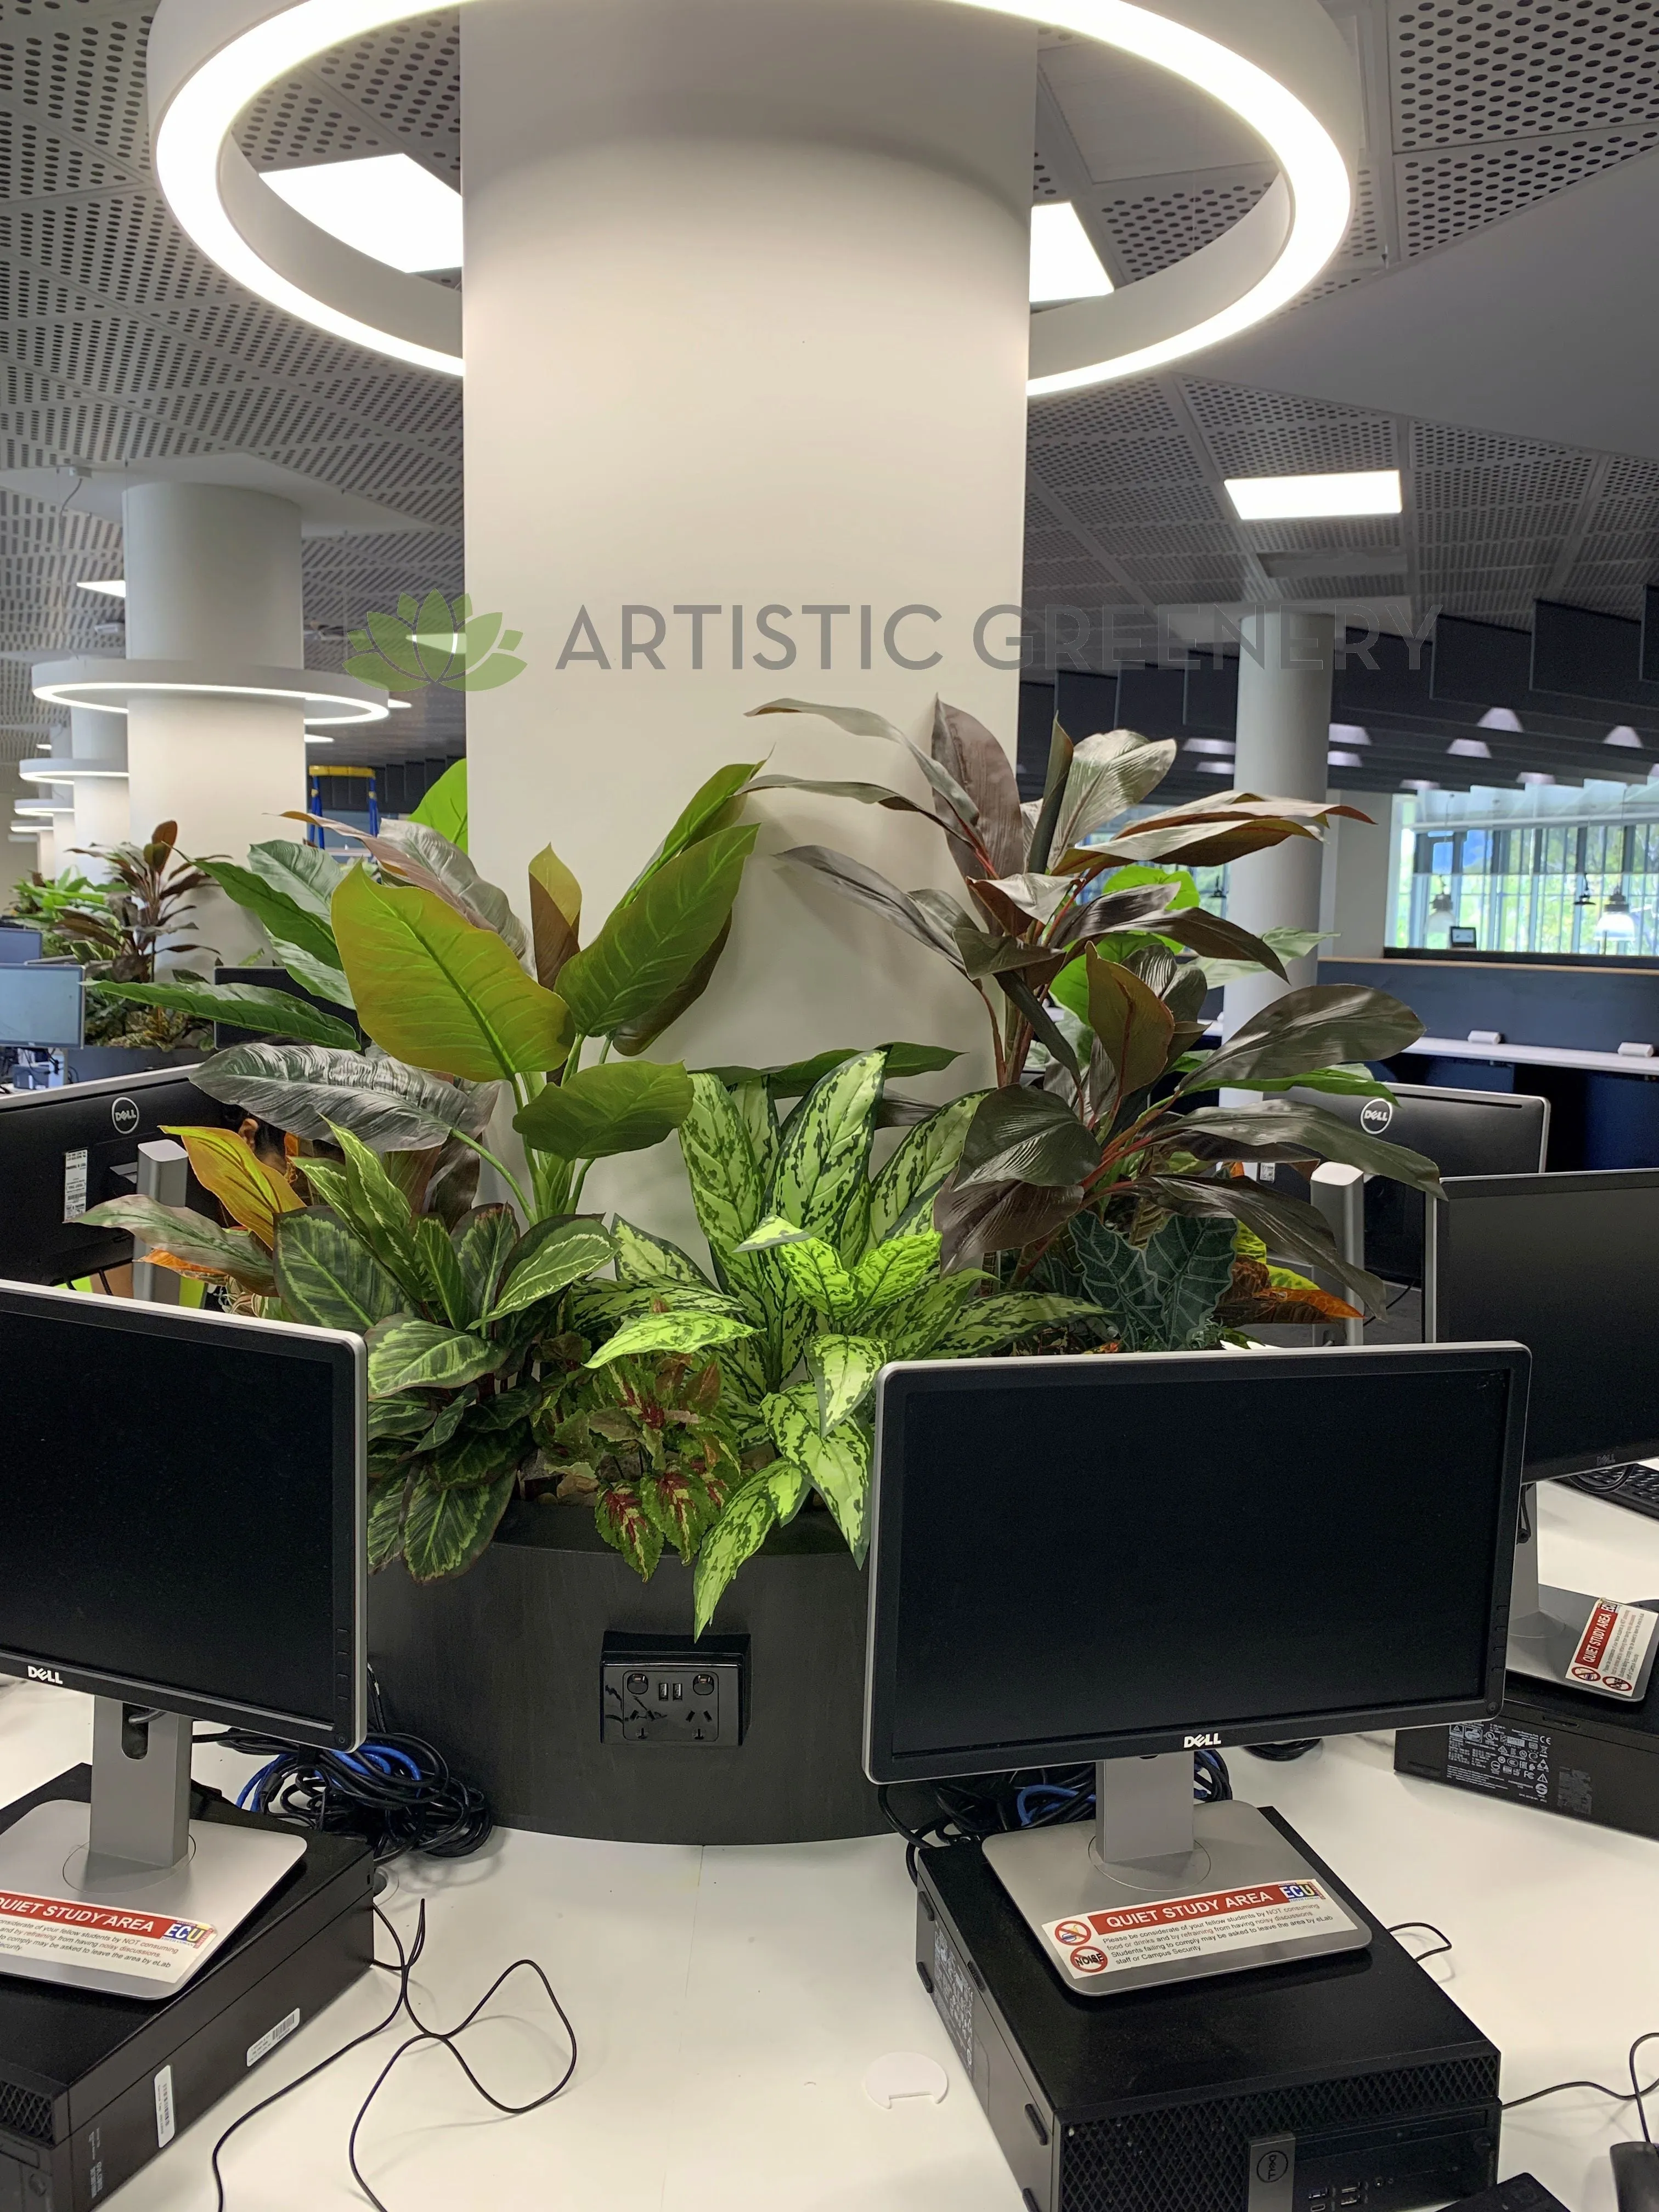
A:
x: 665, y: 1689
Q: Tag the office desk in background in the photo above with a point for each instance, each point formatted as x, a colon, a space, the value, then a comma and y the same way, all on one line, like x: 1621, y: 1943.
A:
x: 728, y: 2002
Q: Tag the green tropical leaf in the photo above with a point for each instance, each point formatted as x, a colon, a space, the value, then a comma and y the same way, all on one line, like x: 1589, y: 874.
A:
x: 824, y: 1150
x: 1309, y: 1029
x: 600, y: 1111
x: 920, y: 1164
x: 812, y: 1267
x: 680, y: 1507
x: 759, y: 1117
x: 1020, y: 1135
x: 446, y: 1525
x: 573, y: 1249
x: 911, y: 1329
x: 1310, y: 1132
x: 310, y: 1089
x: 440, y: 992
x: 1352, y: 1081
x: 407, y: 1354
x: 799, y: 1075
x: 644, y: 1259
x: 713, y: 806
x: 305, y: 874
x: 385, y: 1521
x: 317, y: 976
x: 437, y: 1255
x: 376, y: 1208
x: 622, y: 1519
x: 843, y: 1370
x: 444, y: 807
x: 1285, y: 1224
x: 397, y: 1418
x: 639, y: 1035
x: 896, y: 1268
x: 725, y: 1184
x: 789, y: 1487
x: 1162, y: 1299
x: 326, y: 1275
x: 194, y: 1245
x: 247, y: 1005
x: 483, y: 1238
x: 838, y: 1464
x: 993, y: 1324
x: 671, y: 1332
x: 650, y: 942
x: 277, y: 911
x: 749, y: 1515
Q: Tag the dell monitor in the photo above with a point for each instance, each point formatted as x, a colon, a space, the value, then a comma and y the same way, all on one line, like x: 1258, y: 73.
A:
x: 1120, y: 1559
x: 184, y: 1541
x: 1568, y: 1265
x: 40, y: 1006
x: 18, y: 944
x: 64, y: 1151
x: 1462, y: 1132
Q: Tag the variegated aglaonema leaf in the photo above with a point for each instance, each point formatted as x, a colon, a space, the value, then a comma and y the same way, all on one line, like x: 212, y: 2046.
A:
x: 825, y: 1147
x: 720, y: 1161
x: 917, y: 1165
x: 838, y: 1464
x: 671, y: 1332
x: 843, y: 1370
x: 750, y: 1516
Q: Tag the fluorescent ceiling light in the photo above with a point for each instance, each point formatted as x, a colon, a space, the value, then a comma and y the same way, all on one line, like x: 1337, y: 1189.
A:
x: 115, y: 587
x: 1499, y: 718
x: 1417, y: 783
x: 318, y: 737
x: 1349, y: 733
x: 1531, y: 776
x: 1345, y: 760
x: 1305, y: 498
x: 1064, y: 263
x: 1215, y: 768
x: 1624, y: 735
x: 387, y: 205
x: 1469, y: 749
x: 1210, y: 745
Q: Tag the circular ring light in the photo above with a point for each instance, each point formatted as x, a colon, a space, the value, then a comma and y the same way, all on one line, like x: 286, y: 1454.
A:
x: 1279, y: 66
x: 69, y: 771
x: 111, y: 684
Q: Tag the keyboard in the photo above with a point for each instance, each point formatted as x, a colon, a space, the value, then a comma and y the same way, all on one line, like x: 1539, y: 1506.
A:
x: 1635, y: 1487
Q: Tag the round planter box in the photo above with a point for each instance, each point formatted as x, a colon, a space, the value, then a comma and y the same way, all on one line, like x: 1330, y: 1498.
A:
x: 499, y: 1669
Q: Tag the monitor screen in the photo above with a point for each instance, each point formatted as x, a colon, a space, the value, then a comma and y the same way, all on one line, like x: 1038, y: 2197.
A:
x: 1569, y: 1266
x: 184, y: 1510
x: 39, y: 1006
x: 18, y: 945
x: 1085, y: 1558
x: 1462, y: 1132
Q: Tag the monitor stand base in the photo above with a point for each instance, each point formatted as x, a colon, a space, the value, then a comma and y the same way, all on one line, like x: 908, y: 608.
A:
x: 1604, y: 1647
x: 127, y: 1894
x: 1106, y: 1920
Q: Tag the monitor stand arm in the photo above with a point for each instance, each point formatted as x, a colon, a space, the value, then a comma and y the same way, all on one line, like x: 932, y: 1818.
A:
x: 1149, y: 1842
x: 134, y: 1851
x: 1557, y: 1635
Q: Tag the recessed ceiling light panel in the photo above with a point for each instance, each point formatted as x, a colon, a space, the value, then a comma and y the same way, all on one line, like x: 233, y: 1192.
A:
x: 1064, y: 263
x: 114, y: 587
x: 1315, y: 498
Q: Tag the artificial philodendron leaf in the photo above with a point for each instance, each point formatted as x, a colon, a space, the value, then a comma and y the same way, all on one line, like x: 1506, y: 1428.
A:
x: 249, y: 1193
x: 919, y: 1164
x: 1311, y: 1029
x: 248, y: 1005
x: 825, y: 1147
x: 317, y: 976
x: 425, y: 857
x: 445, y: 807
x: 650, y: 942
x: 441, y: 993
x: 309, y: 1089
x: 865, y: 887
x: 750, y: 1516
x: 600, y: 1111
x: 306, y: 874
x: 1025, y: 1136
x: 326, y: 1275
x: 277, y: 912
x: 1133, y: 1023
x: 1319, y: 1134
x: 639, y: 1035
x: 446, y: 1525
x: 843, y: 1370
x: 556, y: 915
x: 671, y: 1332
x: 186, y: 1242
x: 714, y: 806
x: 572, y: 1250
x: 405, y: 1353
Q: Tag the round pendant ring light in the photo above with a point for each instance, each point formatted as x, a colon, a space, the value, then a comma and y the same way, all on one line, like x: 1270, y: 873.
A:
x: 1280, y: 66
x: 110, y: 685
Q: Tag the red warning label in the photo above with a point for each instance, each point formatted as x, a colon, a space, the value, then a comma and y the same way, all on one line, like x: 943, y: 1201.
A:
x: 75, y: 1932
x: 1613, y: 1646
x: 1175, y: 1928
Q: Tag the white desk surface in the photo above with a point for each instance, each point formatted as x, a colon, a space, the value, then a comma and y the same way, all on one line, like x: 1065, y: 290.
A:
x: 1536, y: 1055
x: 729, y: 2001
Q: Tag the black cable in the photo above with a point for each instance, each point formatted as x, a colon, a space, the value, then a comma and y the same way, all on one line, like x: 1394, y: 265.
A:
x: 1293, y: 1748
x: 1636, y: 2094
x: 977, y: 1806
x: 447, y: 2037
x: 1427, y: 1928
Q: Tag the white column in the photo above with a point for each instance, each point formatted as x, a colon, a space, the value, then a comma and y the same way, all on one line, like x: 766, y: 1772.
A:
x: 213, y: 576
x: 102, y: 815
x: 1285, y: 666
x: 1357, y: 887
x: 746, y: 328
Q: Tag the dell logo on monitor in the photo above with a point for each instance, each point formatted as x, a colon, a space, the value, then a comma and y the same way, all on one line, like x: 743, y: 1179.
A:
x: 123, y: 1112
x: 1375, y: 1114
x: 1190, y: 1742
x: 45, y: 1675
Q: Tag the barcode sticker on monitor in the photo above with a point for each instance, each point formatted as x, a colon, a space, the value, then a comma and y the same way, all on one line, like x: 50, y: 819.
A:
x: 1093, y: 1944
x: 150, y: 1945
x: 75, y: 1185
x: 1613, y: 1647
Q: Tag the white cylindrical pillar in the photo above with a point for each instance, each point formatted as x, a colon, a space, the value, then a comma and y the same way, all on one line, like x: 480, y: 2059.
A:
x: 213, y: 574
x: 98, y: 745
x: 1285, y: 661
x: 746, y: 336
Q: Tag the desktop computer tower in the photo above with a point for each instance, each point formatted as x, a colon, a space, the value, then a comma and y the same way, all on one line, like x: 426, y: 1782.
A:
x: 1346, y: 2084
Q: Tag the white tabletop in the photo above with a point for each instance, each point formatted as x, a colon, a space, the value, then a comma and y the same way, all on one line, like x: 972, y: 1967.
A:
x: 730, y: 2001
x: 1536, y: 1055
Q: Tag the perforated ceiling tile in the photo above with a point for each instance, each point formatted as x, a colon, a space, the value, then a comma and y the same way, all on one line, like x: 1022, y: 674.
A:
x: 1610, y: 587
x: 1126, y: 506
x: 1444, y: 195
x: 1253, y: 433
x: 295, y: 123
x: 1357, y: 533
x: 1513, y: 68
x: 409, y: 75
x: 1151, y: 230
x: 1044, y: 186
x: 1134, y: 409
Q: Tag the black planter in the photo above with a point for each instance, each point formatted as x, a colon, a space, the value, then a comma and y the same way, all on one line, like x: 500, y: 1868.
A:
x: 499, y: 1669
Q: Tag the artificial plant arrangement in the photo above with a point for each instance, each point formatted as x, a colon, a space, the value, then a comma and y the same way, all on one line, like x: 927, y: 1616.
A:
x: 118, y: 928
x: 1093, y: 1168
